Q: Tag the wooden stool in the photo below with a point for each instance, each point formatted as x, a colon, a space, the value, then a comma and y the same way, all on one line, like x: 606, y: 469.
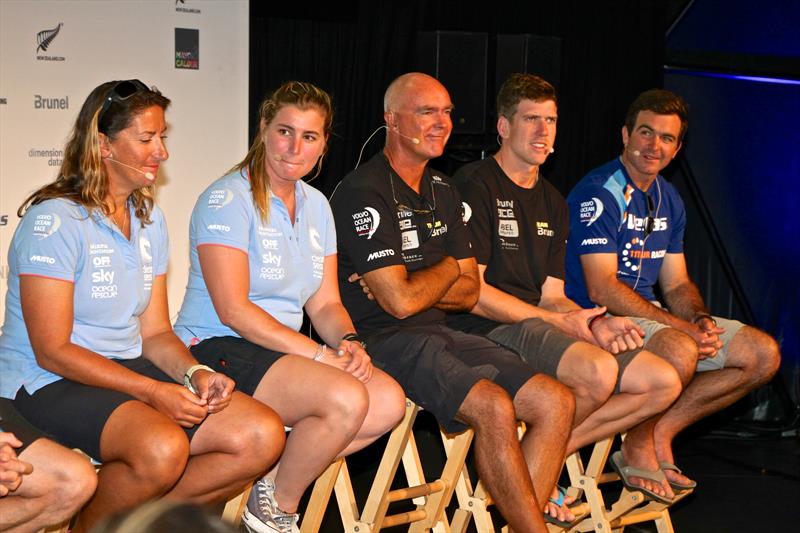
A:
x: 431, y: 498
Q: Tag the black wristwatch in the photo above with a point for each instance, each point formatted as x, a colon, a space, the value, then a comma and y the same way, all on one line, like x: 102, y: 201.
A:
x: 353, y: 337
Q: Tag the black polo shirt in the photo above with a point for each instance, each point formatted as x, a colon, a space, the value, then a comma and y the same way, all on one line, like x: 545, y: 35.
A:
x: 375, y: 229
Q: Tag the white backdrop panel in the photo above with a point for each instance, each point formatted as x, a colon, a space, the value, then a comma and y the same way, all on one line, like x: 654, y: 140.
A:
x: 99, y: 41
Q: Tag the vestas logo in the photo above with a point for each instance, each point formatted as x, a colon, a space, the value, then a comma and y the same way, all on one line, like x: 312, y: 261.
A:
x: 45, y: 37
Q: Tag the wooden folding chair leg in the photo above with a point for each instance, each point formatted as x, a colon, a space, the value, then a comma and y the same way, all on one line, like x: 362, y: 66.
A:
x: 234, y: 507
x: 320, y: 496
x: 631, y: 506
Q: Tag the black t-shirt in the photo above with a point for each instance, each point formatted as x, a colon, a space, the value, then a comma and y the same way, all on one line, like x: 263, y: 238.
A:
x: 519, y: 234
x: 374, y: 229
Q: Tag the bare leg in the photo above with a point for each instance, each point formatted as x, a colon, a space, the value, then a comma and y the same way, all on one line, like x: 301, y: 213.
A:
x: 325, y: 408
x: 547, y: 408
x: 229, y: 450
x: 141, y: 460
x: 639, y: 450
x: 648, y: 386
x: 753, y: 358
x: 498, y: 456
x: 61, y: 482
x: 387, y: 405
x: 591, y: 374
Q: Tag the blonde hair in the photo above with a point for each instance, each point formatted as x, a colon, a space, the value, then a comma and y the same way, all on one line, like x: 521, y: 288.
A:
x: 82, y: 177
x: 299, y: 94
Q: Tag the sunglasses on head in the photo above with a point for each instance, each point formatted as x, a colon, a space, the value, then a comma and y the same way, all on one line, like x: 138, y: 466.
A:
x: 121, y: 92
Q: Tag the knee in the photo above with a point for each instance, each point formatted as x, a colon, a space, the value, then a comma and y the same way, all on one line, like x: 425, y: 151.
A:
x: 391, y: 405
x: 663, y: 382
x: 765, y: 356
x: 543, y: 400
x: 677, y: 348
x: 596, y: 378
x: 491, y: 407
x: 73, y: 484
x: 259, y: 440
x: 347, y: 403
x: 160, y: 457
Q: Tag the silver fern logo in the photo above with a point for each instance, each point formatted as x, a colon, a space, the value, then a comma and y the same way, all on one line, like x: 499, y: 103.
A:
x: 45, y: 37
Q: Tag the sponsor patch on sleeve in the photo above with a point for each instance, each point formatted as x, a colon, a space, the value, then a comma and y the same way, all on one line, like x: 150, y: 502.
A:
x: 366, y: 222
x: 590, y: 211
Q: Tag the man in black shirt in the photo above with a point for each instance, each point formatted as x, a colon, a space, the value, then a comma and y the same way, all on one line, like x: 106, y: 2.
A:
x: 404, y: 260
x: 518, y: 223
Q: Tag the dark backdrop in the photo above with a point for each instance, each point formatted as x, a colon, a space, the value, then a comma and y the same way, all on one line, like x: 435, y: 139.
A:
x: 611, y: 51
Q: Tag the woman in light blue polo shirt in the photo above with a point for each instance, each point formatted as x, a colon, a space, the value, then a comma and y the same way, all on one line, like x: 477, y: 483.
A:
x: 87, y: 352
x: 263, y: 249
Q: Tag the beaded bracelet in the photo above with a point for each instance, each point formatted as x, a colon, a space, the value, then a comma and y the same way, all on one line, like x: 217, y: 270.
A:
x: 320, y: 353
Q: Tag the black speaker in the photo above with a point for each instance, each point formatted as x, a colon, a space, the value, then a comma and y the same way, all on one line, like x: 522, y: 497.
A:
x: 458, y: 60
x: 529, y: 54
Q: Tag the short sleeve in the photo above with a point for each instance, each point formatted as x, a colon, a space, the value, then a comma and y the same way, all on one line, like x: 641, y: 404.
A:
x: 594, y: 218
x: 330, y: 229
x: 367, y: 229
x: 675, y: 245
x: 48, y: 241
x: 478, y: 218
x: 457, y: 242
x: 558, y: 247
x: 162, y: 235
x: 222, y: 216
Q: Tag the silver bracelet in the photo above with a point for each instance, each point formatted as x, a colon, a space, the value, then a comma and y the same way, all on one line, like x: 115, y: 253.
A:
x: 320, y: 353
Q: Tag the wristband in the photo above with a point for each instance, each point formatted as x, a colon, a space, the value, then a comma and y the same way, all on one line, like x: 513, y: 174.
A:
x: 320, y: 353
x: 592, y: 321
x: 701, y: 316
x: 187, y: 377
x: 353, y: 337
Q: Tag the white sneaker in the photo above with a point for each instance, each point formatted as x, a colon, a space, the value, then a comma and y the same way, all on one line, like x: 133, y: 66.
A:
x: 262, y: 514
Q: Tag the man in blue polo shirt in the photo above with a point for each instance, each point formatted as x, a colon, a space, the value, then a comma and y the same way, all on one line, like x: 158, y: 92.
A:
x: 626, y: 235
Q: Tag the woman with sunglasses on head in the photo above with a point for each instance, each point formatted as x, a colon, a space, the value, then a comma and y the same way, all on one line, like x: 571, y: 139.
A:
x: 263, y: 249
x: 88, y: 354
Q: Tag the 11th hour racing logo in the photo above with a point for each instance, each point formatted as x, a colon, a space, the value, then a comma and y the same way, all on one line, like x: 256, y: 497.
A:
x: 44, y: 39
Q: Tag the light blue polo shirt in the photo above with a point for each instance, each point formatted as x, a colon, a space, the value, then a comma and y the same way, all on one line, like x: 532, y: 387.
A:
x: 285, y: 260
x: 112, y: 278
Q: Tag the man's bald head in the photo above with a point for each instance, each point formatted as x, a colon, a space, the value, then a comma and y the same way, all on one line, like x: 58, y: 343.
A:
x: 407, y: 84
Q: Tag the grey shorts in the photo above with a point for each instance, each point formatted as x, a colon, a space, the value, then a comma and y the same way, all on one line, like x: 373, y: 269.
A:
x: 437, y: 366
x: 717, y: 362
x: 542, y: 345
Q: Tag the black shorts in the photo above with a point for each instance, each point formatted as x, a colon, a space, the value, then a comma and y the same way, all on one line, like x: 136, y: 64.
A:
x: 75, y: 414
x: 239, y: 359
x: 437, y: 366
x: 13, y: 422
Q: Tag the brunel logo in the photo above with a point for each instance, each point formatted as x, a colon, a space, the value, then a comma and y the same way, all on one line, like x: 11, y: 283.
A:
x: 44, y: 39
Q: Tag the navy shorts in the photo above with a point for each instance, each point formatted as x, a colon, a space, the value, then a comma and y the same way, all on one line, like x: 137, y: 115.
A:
x: 239, y: 359
x: 12, y: 422
x: 437, y: 366
x: 75, y: 414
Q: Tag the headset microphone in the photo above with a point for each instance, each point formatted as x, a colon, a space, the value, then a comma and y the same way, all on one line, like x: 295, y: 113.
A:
x: 637, y: 153
x: 552, y: 150
x: 412, y: 139
x: 147, y: 175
